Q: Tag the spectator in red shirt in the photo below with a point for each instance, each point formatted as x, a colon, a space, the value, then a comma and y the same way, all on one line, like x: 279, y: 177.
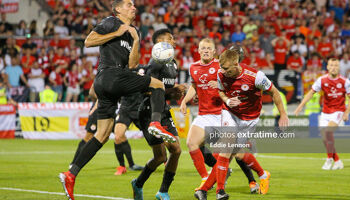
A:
x: 281, y: 48
x: 295, y: 62
x: 27, y: 61
x: 56, y: 80
x: 59, y: 60
x: 72, y: 80
x: 146, y: 53
x: 325, y: 48
x: 314, y: 62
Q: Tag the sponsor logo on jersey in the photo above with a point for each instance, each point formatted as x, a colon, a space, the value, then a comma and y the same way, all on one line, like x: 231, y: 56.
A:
x: 245, y: 87
x: 203, y: 78
x: 169, y: 81
x: 212, y: 70
x: 250, y: 73
x: 339, y: 85
x: 125, y: 44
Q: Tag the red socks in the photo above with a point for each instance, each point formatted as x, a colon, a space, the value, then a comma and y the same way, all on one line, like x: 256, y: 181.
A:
x: 198, y: 161
x: 221, y: 171
x: 250, y: 160
x: 329, y: 144
x: 212, y: 177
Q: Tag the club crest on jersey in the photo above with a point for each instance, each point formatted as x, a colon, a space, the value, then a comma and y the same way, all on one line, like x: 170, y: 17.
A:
x: 203, y: 78
x: 326, y: 84
x: 93, y: 127
x: 195, y: 72
x: 245, y: 87
x: 339, y: 85
x: 212, y: 70
x: 141, y: 72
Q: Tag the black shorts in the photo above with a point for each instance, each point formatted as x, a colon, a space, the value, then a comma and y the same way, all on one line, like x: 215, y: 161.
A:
x: 113, y: 83
x: 91, y: 125
x: 167, y: 122
x: 126, y: 117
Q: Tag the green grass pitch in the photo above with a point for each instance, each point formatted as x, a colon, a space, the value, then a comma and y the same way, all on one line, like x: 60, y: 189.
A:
x: 28, y: 167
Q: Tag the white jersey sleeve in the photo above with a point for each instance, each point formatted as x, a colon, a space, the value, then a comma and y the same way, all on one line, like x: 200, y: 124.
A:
x: 220, y: 86
x: 262, y: 82
x: 347, y: 86
x: 317, y: 85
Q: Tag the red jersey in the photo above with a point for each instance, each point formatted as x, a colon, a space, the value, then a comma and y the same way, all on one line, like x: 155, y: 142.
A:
x: 248, y: 87
x: 280, y: 53
x: 325, y: 49
x: 209, y: 101
x: 294, y: 63
x: 334, y: 92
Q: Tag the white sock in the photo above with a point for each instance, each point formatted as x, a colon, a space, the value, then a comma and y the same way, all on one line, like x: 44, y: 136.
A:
x: 263, y: 176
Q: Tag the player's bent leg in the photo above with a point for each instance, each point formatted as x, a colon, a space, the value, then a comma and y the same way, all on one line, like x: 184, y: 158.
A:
x: 87, y: 137
x: 195, y: 139
x: 221, y: 172
x: 170, y: 169
x: 119, y: 132
x: 104, y: 128
x: 157, y: 105
x: 159, y: 154
x: 264, y: 175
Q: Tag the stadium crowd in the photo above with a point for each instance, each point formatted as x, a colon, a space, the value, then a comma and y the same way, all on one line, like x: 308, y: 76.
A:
x: 275, y: 34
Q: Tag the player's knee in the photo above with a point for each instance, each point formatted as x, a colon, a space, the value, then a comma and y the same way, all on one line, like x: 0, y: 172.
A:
x: 120, y: 138
x: 160, y: 159
x: 177, y: 151
x: 192, y: 145
x: 88, y: 136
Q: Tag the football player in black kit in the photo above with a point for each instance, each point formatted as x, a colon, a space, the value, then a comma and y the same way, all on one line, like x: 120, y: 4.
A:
x: 127, y: 114
x: 119, y: 43
x: 167, y: 73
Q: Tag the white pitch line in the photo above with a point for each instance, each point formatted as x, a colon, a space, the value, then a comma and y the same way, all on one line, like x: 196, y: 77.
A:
x: 146, y: 151
x: 62, y: 194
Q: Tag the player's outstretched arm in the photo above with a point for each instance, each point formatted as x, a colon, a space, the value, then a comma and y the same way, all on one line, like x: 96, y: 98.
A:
x: 189, y: 95
x: 95, y: 39
x: 276, y: 97
x: 306, y: 98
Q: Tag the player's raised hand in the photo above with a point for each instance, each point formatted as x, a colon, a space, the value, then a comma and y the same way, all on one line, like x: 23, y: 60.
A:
x: 122, y: 29
x: 233, y: 102
x: 213, y: 84
x: 133, y: 33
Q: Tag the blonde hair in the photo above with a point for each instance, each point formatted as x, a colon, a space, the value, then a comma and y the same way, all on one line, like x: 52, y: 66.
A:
x: 207, y: 40
x: 229, y: 55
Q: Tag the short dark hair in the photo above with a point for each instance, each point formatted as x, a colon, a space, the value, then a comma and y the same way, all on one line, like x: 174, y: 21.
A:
x: 159, y: 33
x: 115, y: 4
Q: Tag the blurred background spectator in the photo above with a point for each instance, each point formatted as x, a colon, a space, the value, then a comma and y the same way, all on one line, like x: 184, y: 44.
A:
x: 276, y: 35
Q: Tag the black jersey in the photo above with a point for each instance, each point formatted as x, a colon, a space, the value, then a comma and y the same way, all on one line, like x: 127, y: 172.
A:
x: 114, y: 53
x: 132, y: 102
x: 165, y: 72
